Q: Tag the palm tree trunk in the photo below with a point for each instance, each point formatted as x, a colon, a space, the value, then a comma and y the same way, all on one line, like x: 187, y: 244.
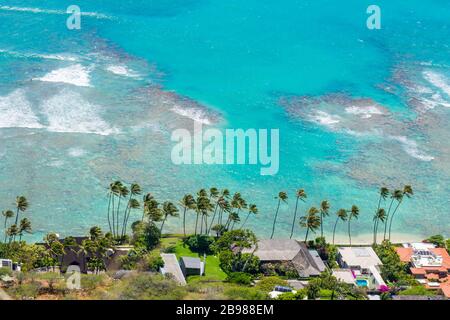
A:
x: 17, y: 217
x: 113, y: 217
x: 245, y: 221
x: 334, y: 229
x: 196, y: 223
x: 375, y: 232
x: 349, y: 231
x: 321, y: 224
x: 212, y: 220
x: 392, y: 218
x: 162, y: 224
x: 118, y: 215
x: 109, y: 208
x: 307, y: 233
x: 295, y: 218
x: 387, y: 219
x: 184, y: 221
x: 275, y: 219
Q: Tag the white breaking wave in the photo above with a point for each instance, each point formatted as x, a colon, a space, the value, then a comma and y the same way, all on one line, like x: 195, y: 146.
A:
x: 50, y: 11
x: 77, y: 75
x: 61, y: 57
x: 437, y: 80
x: 76, y: 152
x: 122, y: 71
x: 195, y: 114
x: 325, y: 118
x: 411, y: 148
x: 364, y: 112
x: 69, y: 112
x: 16, y: 111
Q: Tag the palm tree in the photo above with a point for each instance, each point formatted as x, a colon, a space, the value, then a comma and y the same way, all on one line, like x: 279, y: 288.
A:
x: 380, y: 215
x: 114, y: 190
x: 12, y: 232
x: 384, y: 193
x: 396, y: 195
x: 200, y: 205
x: 21, y: 205
x: 223, y: 204
x: 324, y: 212
x: 354, y: 213
x: 147, y: 199
x: 341, y: 215
x: 169, y: 209
x: 408, y: 192
x: 95, y: 233
x: 301, y: 195
x: 132, y: 204
x: 282, y: 196
x: 188, y: 203
x: 311, y: 221
x: 232, y: 219
x: 123, y: 193
x: 7, y: 214
x: 25, y: 226
x: 135, y: 190
x: 252, y: 209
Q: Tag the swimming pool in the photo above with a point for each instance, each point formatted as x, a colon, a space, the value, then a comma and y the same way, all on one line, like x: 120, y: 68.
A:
x: 362, y: 283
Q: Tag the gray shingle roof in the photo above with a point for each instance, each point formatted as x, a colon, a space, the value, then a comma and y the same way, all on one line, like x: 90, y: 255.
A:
x: 191, y: 263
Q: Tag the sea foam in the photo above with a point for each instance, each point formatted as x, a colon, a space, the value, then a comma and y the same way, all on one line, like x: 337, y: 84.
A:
x: 122, y: 70
x: 51, y: 11
x: 77, y: 75
x: 16, y: 111
x: 195, y: 114
x: 437, y: 80
x: 69, y: 112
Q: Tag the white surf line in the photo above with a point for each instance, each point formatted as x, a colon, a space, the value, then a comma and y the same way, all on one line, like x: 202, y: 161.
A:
x: 52, y: 11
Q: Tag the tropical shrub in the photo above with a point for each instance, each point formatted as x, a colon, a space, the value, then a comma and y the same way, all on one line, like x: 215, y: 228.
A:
x: 299, y: 295
x: 240, y: 278
x: 392, y: 269
x: 267, y: 284
x: 243, y: 293
x: 438, y: 240
x: 145, y: 235
x: 150, y: 287
x: 417, y: 291
x: 199, y: 243
x: 5, y: 272
x: 153, y: 261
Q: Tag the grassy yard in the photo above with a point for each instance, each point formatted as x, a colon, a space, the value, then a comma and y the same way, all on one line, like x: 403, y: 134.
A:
x: 213, y: 272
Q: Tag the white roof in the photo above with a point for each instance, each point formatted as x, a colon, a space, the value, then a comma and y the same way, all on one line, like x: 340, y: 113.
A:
x: 363, y: 257
x: 344, y: 275
x: 172, y: 267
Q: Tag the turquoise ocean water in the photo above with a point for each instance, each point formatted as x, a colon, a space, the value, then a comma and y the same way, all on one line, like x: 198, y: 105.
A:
x: 356, y: 108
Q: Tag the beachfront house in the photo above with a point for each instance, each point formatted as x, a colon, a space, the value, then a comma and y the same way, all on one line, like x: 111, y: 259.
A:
x: 192, y: 266
x: 428, y: 264
x: 364, y: 266
x: 289, y: 253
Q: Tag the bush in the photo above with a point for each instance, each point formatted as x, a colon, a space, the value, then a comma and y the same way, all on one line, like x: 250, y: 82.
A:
x: 90, y: 282
x: 154, y: 262
x: 26, y: 291
x: 240, y: 293
x: 150, y: 287
x: 199, y: 243
x: 5, y: 272
x: 146, y: 235
x: 417, y: 291
x: 438, y: 240
x: 240, y: 278
x: 267, y: 284
x: 299, y: 295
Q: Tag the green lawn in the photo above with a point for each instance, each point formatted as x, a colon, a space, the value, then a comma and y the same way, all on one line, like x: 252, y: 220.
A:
x: 213, y: 272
